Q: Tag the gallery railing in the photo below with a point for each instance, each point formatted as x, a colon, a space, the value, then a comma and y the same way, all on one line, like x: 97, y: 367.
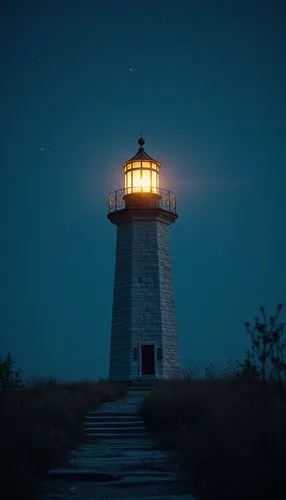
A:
x: 167, y: 200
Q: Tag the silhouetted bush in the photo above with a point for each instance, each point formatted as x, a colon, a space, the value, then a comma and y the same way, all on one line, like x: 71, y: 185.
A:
x: 10, y: 378
x: 267, y: 348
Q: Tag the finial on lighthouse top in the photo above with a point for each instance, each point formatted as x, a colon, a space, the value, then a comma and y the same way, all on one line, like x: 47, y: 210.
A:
x: 141, y: 141
x: 141, y: 155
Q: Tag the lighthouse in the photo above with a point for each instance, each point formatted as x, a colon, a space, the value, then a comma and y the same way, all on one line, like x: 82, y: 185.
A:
x: 144, y: 341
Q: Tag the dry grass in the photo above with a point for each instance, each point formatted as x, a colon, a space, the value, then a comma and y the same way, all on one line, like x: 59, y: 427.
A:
x: 37, y: 427
x: 230, y: 435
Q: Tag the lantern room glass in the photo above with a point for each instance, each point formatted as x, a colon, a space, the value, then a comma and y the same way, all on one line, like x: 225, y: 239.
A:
x: 141, y: 177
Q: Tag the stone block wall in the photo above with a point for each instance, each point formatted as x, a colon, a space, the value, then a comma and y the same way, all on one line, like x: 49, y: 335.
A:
x: 120, y: 346
x: 170, y: 342
x: 143, y: 300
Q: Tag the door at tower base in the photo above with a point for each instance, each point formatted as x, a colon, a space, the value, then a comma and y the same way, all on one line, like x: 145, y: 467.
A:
x: 147, y: 359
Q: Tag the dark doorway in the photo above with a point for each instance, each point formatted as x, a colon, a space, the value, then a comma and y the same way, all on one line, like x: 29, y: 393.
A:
x: 148, y: 359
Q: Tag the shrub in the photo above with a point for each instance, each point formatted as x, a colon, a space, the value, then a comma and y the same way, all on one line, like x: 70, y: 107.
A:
x: 267, y: 346
x: 10, y: 378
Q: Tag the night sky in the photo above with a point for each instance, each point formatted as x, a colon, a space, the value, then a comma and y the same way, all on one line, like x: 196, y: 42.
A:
x: 206, y: 82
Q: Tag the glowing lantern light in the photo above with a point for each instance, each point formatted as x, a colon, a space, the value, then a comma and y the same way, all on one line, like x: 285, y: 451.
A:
x: 141, y: 172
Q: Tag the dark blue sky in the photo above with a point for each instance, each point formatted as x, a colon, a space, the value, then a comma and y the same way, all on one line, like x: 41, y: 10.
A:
x: 206, y: 82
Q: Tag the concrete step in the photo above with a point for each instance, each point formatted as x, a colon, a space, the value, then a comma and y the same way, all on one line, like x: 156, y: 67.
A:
x: 123, y: 453
x: 114, y: 430
x: 132, y: 400
x: 140, y: 388
x: 139, y: 476
x: 115, y: 414
x: 109, y: 418
x: 111, y: 435
x: 115, y: 445
x: 129, y: 398
x: 123, y: 403
x: 121, y: 410
x: 132, y: 395
x: 113, y: 423
x: 106, y: 462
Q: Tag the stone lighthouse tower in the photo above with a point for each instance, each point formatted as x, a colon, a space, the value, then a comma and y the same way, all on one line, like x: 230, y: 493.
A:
x: 144, y: 341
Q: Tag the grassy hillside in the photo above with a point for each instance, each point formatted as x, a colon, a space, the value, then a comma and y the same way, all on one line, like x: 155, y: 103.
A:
x: 230, y: 435
x: 38, y: 424
x: 230, y: 428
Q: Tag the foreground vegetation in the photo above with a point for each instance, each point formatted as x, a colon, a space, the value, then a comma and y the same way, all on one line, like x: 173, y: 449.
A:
x: 230, y: 439
x: 39, y: 423
x: 229, y: 428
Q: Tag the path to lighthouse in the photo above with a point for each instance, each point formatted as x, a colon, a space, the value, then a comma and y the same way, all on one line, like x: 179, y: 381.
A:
x: 117, y: 459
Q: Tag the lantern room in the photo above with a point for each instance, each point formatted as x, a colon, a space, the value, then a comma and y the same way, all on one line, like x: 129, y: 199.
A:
x: 141, y: 172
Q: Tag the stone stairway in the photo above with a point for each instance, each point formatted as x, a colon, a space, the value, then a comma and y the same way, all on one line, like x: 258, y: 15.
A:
x: 117, y: 458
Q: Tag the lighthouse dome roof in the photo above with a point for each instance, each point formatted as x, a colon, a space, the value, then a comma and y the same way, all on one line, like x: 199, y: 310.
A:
x: 141, y: 154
